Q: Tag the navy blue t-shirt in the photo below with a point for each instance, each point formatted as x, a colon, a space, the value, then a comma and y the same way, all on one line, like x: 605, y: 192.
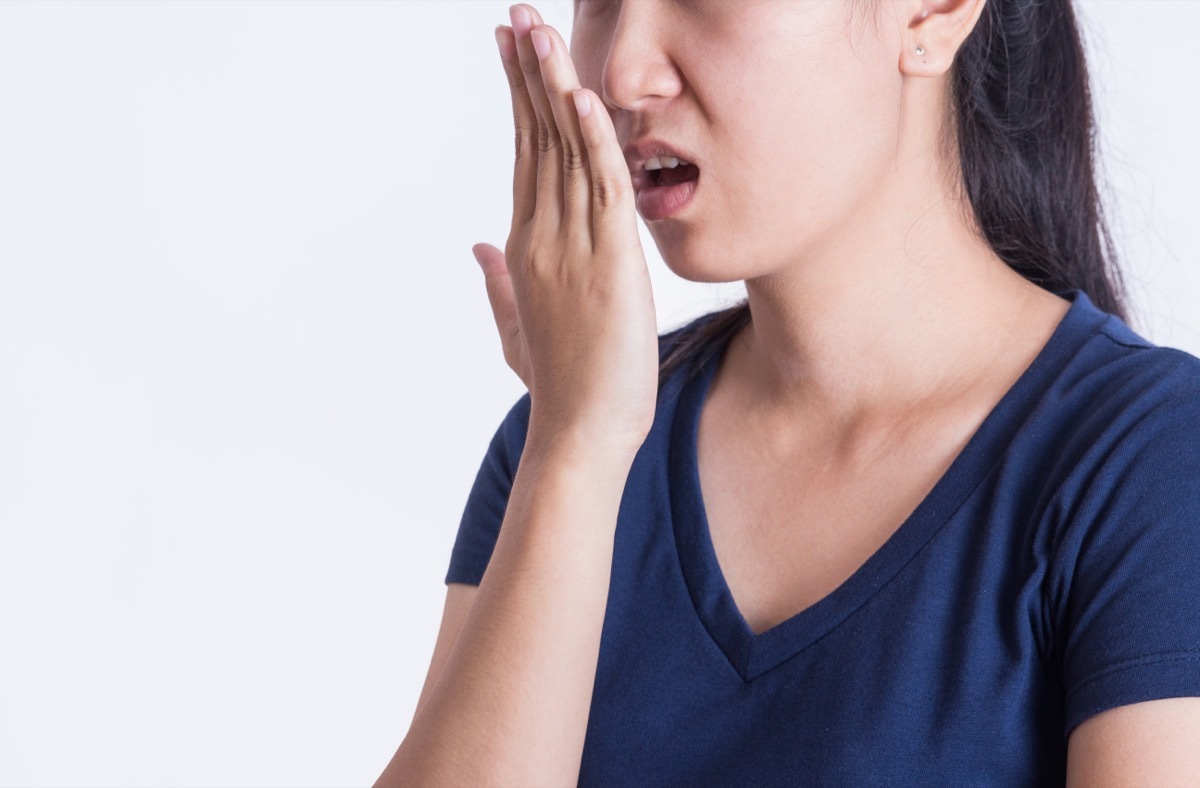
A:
x: 1052, y: 572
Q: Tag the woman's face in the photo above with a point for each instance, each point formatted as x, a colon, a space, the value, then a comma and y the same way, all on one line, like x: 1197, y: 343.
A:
x: 789, y: 108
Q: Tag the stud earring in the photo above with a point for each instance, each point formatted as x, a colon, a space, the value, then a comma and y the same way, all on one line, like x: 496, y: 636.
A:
x: 920, y: 50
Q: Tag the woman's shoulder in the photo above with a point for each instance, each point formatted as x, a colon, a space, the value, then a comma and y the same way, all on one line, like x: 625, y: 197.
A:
x: 1123, y: 414
x: 1133, y: 374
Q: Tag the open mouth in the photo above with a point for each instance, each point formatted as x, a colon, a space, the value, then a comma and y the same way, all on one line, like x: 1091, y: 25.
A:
x: 669, y: 176
x: 664, y: 193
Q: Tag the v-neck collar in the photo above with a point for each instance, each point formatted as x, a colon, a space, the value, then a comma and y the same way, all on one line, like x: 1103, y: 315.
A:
x: 752, y: 655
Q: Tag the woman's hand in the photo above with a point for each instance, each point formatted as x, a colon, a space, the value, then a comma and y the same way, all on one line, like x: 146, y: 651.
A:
x: 570, y: 292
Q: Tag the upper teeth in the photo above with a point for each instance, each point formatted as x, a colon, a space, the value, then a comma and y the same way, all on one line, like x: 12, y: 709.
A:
x: 660, y: 162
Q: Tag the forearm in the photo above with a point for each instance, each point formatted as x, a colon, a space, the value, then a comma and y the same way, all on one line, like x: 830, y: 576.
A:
x: 511, y: 705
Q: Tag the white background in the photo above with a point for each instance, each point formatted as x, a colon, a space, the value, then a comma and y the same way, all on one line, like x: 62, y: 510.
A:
x: 248, y: 369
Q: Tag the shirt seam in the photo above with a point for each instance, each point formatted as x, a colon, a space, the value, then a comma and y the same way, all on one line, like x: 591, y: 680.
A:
x: 1134, y: 662
x: 1144, y: 344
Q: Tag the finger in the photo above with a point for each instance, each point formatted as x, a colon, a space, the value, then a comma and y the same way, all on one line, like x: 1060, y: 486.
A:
x: 526, y: 126
x: 560, y: 80
x: 504, y: 306
x: 499, y: 290
x: 614, y: 221
x: 549, y: 163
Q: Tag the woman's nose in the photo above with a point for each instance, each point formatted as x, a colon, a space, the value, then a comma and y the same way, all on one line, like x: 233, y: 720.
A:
x: 639, y: 67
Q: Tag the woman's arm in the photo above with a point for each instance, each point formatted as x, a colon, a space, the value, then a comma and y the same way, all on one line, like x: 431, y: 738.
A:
x: 511, y: 705
x: 573, y: 302
x: 1155, y: 742
x: 459, y: 598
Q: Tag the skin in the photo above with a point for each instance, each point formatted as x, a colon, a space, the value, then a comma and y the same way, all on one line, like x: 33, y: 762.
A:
x: 871, y: 292
x: 571, y: 292
x: 878, y: 307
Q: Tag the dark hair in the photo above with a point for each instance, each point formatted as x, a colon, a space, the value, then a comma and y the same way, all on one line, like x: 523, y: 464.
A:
x: 1022, y: 118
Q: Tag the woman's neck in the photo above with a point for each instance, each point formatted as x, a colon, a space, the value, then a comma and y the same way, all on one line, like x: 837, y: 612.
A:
x: 854, y: 340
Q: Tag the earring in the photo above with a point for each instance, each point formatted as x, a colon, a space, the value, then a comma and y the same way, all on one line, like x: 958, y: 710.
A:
x: 920, y: 50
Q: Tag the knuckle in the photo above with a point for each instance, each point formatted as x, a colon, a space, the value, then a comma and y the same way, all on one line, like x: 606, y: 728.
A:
x: 535, y: 270
x: 525, y: 143
x: 531, y: 67
x: 574, y: 177
x: 539, y: 263
x: 548, y: 139
x: 516, y: 79
x: 608, y: 192
x: 574, y: 159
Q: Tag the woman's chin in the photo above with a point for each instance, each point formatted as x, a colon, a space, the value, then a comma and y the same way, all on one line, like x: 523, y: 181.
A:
x: 696, y: 269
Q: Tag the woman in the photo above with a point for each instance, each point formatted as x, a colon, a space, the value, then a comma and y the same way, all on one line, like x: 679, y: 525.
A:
x: 949, y: 524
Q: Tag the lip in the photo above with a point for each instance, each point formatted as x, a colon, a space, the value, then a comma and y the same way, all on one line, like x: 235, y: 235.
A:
x: 655, y: 203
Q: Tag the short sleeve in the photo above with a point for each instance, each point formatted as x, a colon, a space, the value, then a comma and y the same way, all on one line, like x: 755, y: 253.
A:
x: 1127, y: 568
x: 488, y: 499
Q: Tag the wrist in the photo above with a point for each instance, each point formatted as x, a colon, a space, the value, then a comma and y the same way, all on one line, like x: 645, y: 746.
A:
x: 579, y: 445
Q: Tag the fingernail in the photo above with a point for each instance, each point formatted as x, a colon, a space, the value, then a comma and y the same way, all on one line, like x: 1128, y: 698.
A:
x: 521, y: 20
x: 502, y: 41
x: 583, y: 105
x: 541, y: 44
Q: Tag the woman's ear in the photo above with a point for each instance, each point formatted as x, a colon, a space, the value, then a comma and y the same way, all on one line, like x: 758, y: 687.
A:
x: 934, y: 32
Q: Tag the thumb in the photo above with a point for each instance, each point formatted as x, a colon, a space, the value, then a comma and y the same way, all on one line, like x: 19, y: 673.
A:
x: 490, y: 259
x: 499, y: 288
